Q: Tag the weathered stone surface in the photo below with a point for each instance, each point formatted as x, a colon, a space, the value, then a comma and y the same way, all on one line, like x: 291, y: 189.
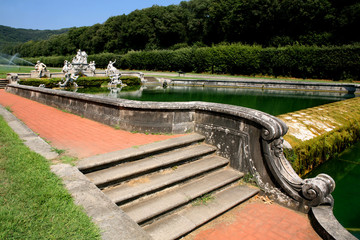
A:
x: 176, y: 225
x: 273, y: 84
x: 156, y: 205
x: 326, y: 225
x: 126, y: 170
x: 112, y: 221
x: 128, y: 191
x: 113, y: 158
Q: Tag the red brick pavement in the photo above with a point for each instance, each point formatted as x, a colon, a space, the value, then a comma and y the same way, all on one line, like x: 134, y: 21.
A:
x: 81, y: 137
x: 257, y: 220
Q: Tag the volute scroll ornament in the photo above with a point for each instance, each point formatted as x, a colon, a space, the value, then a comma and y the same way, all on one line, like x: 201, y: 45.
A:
x: 310, y: 192
x: 318, y: 190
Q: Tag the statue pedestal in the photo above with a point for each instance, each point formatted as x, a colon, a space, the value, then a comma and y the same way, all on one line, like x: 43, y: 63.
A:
x: 44, y: 74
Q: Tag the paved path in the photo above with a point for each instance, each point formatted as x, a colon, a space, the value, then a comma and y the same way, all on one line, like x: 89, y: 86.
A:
x: 257, y: 220
x: 83, y: 137
x: 80, y: 137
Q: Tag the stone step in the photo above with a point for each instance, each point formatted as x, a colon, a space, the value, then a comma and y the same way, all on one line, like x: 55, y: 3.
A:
x: 163, y: 179
x: 110, y: 159
x: 159, y: 204
x: 180, y: 223
x: 123, y: 172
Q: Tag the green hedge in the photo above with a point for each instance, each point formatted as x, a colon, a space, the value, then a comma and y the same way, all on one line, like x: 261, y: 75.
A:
x: 81, y: 81
x: 131, y: 81
x: 337, y: 63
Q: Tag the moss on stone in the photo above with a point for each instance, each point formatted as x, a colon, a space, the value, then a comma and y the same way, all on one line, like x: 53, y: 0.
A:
x: 343, y: 117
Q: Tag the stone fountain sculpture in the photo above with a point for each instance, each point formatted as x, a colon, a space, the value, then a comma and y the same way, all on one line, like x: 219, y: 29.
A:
x: 92, y: 67
x: 114, y: 75
x: 111, y: 70
x: 79, y: 63
x: 40, y: 70
x: 77, y: 67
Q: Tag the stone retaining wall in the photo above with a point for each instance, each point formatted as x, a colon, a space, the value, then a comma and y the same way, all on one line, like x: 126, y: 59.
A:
x: 273, y: 84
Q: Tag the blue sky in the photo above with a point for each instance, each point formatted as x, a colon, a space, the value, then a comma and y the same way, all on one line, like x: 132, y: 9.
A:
x: 50, y: 14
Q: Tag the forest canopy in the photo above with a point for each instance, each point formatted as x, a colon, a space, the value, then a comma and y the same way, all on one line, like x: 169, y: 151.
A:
x: 268, y: 23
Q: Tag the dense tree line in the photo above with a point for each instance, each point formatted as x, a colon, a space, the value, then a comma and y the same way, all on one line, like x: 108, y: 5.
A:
x: 208, y: 22
x: 12, y: 36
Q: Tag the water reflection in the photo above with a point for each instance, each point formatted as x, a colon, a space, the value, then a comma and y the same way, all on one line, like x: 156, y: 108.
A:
x: 345, y: 170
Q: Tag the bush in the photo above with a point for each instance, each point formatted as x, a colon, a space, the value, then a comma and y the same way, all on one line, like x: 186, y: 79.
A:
x: 81, y: 81
x: 131, y: 81
x: 35, y: 82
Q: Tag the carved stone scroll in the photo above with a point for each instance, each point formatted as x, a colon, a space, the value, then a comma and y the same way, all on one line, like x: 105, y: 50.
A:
x: 311, y: 192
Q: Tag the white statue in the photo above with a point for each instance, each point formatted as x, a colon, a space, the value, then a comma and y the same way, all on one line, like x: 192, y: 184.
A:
x: 92, y: 67
x: 70, y: 78
x: 80, y: 58
x: 40, y: 68
x: 67, y: 66
x: 115, y: 79
x: 111, y: 70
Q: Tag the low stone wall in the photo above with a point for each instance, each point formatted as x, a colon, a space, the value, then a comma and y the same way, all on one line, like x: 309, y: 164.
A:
x: 273, y: 84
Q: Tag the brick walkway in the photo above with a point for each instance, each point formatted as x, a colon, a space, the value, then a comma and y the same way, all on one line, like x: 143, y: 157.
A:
x: 256, y: 221
x: 83, y: 137
x: 80, y: 137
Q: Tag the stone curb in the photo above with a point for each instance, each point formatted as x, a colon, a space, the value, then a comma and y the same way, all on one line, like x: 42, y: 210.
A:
x: 32, y: 140
x: 271, y: 84
x: 326, y: 225
x: 112, y: 221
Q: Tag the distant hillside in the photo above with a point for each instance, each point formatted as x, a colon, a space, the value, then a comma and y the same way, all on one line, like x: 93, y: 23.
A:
x: 9, y: 35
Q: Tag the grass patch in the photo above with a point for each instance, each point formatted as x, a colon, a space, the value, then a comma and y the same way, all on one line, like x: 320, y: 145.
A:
x: 68, y: 160
x: 203, y: 200
x: 58, y: 151
x: 248, y: 178
x: 8, y: 108
x: 33, y: 202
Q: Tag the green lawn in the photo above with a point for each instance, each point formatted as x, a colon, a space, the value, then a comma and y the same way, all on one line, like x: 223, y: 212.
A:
x: 4, y: 69
x: 33, y: 202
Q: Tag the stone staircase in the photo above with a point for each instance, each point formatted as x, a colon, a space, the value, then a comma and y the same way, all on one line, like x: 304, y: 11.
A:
x: 3, y: 83
x: 169, y: 187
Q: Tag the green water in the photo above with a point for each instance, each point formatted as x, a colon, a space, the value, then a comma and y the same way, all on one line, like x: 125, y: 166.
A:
x: 272, y: 102
x: 345, y: 170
